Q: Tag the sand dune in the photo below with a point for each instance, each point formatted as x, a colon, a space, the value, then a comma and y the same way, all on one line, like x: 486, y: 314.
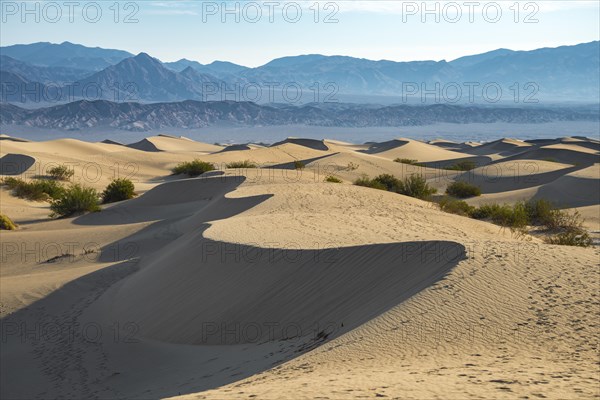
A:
x: 271, y: 283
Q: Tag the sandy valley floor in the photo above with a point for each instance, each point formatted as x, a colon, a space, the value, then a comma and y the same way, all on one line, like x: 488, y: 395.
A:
x: 271, y: 283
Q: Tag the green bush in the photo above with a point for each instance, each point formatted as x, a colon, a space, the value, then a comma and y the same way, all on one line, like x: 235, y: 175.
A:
x: 36, y: 190
x: 463, y: 190
x: 117, y: 190
x: 332, y: 179
x: 413, y: 185
x: 406, y: 161
x: 514, y: 217
x: 193, y: 168
x: 466, y: 165
x: 61, y: 173
x: 370, y: 183
x: 241, y: 164
x: 74, y: 200
x: 390, y: 182
x: 416, y: 186
x: 6, y: 223
x: 299, y: 164
x: 453, y: 206
x: 571, y: 238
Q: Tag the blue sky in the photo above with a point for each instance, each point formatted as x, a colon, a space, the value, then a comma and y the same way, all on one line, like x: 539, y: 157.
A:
x: 393, y: 30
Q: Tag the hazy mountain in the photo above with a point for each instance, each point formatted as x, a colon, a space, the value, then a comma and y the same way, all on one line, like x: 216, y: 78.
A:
x: 468, y: 61
x: 65, y: 54
x: 567, y: 73
x: 142, y: 78
x: 46, y: 75
x: 195, y: 114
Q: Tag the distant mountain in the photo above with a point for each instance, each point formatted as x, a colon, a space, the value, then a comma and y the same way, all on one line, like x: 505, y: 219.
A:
x: 468, y: 61
x: 46, y: 75
x: 142, y: 78
x: 65, y: 54
x: 562, y: 74
x: 195, y: 114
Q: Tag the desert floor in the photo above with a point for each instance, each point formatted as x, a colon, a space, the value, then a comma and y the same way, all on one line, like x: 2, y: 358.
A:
x: 272, y: 283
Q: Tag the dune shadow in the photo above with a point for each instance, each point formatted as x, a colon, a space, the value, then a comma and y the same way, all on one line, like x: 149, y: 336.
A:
x: 15, y: 164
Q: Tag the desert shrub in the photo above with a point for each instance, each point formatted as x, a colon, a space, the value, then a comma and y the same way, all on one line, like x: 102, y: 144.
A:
x: 6, y: 223
x: 352, y: 166
x: 36, y: 190
x: 117, y: 190
x: 193, y: 168
x: 332, y: 179
x: 453, y: 206
x: 542, y: 212
x: 74, y: 200
x: 371, y: 183
x: 406, y: 161
x: 416, y: 186
x: 413, y: 185
x: 61, y: 173
x: 299, y: 164
x: 241, y: 164
x: 390, y: 182
x: 571, y: 238
x: 466, y: 165
x: 514, y: 217
x: 463, y: 190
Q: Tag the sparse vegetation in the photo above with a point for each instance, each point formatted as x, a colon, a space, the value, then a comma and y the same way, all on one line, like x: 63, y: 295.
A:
x: 453, y: 206
x: 36, y: 190
x: 416, y: 186
x: 462, y: 190
x: 561, y: 227
x: 332, y: 179
x: 61, y: 173
x: 413, y: 185
x: 299, y: 164
x: 75, y: 199
x: 466, y: 165
x: 193, y: 168
x: 118, y: 190
x: 6, y: 223
x: 242, y: 164
x: 352, y: 166
x: 406, y: 161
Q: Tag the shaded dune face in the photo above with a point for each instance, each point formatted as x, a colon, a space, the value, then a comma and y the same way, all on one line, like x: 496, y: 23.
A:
x: 15, y: 164
x: 207, y: 292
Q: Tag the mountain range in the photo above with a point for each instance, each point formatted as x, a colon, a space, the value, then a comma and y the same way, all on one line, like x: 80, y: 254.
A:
x: 562, y: 74
x: 190, y: 114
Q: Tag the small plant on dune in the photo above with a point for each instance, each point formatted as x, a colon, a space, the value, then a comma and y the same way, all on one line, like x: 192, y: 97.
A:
x: 453, y: 206
x: 36, y: 190
x: 370, y: 183
x: 332, y: 179
x: 406, y: 161
x: 193, y: 168
x: 241, y: 164
x: 76, y: 199
x: 61, y: 173
x: 299, y: 164
x: 466, y: 165
x: 416, y: 186
x: 118, y: 190
x: 6, y: 223
x: 413, y: 185
x: 571, y: 238
x: 462, y: 190
x: 352, y: 166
